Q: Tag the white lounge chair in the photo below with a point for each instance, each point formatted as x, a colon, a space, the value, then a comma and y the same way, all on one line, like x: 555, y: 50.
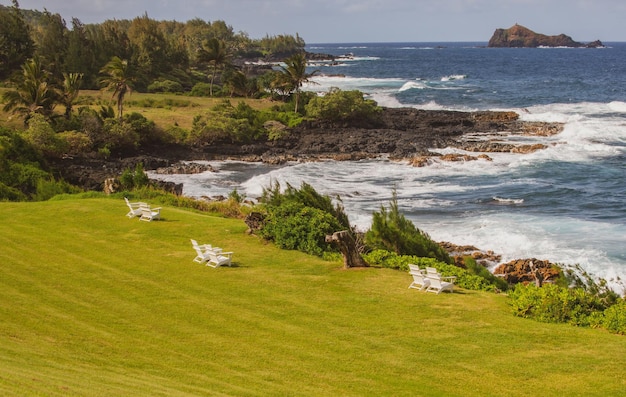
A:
x: 202, y: 256
x: 431, y: 270
x: 437, y: 284
x: 217, y: 259
x: 415, y: 269
x: 203, y: 247
x: 420, y: 281
x: 134, y: 208
x: 149, y: 214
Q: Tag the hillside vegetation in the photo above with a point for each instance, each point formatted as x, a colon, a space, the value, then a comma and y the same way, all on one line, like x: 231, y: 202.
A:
x: 93, y: 303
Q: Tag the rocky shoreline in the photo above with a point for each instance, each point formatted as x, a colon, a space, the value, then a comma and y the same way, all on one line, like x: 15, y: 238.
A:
x: 401, y: 134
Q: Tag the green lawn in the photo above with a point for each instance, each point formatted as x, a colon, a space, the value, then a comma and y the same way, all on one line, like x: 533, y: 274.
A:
x: 95, y: 304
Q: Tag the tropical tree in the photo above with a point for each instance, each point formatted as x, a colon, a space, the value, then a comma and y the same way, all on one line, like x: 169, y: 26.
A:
x: 118, y: 78
x: 215, y: 53
x: 71, y: 88
x: 294, y: 75
x: 16, y: 45
x: 32, y: 93
x: 51, y: 42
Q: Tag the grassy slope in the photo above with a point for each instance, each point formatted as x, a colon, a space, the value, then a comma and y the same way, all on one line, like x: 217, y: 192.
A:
x: 181, y: 114
x: 93, y: 303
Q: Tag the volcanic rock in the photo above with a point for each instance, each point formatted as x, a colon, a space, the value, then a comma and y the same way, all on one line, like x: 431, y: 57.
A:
x: 520, y: 36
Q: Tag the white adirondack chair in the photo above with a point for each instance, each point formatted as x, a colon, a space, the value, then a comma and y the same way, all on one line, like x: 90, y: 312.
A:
x: 149, y: 214
x: 415, y: 269
x: 134, y: 208
x: 217, y: 259
x: 437, y: 285
x: 420, y: 281
x: 201, y: 255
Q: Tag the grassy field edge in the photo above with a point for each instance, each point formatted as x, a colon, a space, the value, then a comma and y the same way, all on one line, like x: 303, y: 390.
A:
x: 93, y: 303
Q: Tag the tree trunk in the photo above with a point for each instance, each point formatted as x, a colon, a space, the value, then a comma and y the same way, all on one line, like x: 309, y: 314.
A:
x: 347, y: 246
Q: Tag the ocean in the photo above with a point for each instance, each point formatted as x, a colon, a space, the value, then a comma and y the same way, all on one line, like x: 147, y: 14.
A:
x: 565, y: 204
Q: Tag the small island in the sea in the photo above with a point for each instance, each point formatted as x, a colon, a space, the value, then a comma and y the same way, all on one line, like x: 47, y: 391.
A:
x: 520, y: 36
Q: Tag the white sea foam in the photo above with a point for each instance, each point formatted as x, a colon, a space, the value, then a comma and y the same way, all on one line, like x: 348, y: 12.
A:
x: 617, y: 106
x: 454, y: 77
x: 418, y: 84
x: 508, y: 200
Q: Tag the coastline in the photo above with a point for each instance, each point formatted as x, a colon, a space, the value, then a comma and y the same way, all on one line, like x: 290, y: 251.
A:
x: 401, y: 134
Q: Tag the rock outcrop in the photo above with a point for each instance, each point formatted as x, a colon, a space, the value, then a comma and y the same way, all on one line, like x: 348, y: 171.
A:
x: 520, y: 36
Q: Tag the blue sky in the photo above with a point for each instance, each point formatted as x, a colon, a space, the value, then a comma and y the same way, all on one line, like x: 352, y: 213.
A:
x: 337, y: 21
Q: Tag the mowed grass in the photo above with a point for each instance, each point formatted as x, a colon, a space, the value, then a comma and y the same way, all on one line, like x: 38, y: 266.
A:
x: 95, y: 304
x: 166, y: 110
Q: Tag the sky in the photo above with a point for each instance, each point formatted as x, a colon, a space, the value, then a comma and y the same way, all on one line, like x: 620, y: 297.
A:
x: 354, y: 21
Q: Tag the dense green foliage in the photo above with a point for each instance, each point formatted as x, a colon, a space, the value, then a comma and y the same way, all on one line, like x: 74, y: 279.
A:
x: 301, y: 218
x: 16, y: 44
x: 23, y: 170
x: 237, y: 124
x: 183, y: 53
x: 391, y: 231
x: 577, y: 306
x: 338, y: 105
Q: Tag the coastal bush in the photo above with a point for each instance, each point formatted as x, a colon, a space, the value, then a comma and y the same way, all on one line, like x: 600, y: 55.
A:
x: 43, y: 138
x: 49, y: 187
x: 614, y: 318
x: 134, y: 179
x: 201, y: 90
x: 393, y: 232
x: 165, y: 86
x: 77, y: 142
x: 338, y: 105
x: 225, y: 123
x: 479, y: 270
x: 555, y: 304
x: 296, y: 226
x: 301, y: 218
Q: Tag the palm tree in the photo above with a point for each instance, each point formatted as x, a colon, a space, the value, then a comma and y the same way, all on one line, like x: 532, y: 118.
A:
x: 294, y: 75
x: 119, y: 79
x: 71, y: 88
x: 32, y: 93
x: 215, y: 53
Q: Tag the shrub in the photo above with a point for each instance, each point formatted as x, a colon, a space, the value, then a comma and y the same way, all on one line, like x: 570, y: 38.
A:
x: 201, y: 89
x: 119, y: 135
x: 48, y: 188
x: 165, y: 86
x: 614, y: 318
x: 296, y: 226
x: 225, y: 122
x: 144, y: 128
x: 555, y: 304
x: 134, y: 179
x: 301, y: 218
x: 43, y: 137
x: 77, y: 142
x: 393, y: 232
x: 479, y: 270
x: 338, y: 105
